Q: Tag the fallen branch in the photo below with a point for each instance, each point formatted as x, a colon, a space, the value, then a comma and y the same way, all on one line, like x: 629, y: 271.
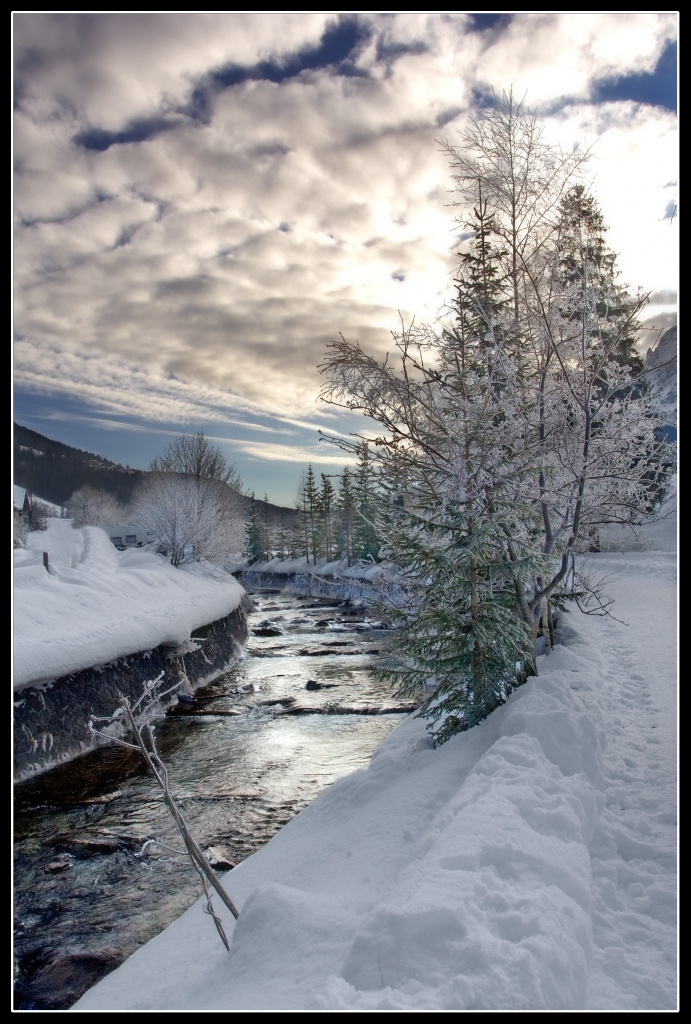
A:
x: 148, y: 708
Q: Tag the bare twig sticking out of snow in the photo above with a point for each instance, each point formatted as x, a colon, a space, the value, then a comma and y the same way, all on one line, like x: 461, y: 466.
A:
x: 146, y: 709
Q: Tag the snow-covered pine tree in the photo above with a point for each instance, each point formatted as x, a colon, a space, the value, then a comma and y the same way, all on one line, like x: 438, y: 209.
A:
x: 600, y: 462
x: 282, y: 536
x: 267, y: 552
x: 365, y: 539
x: 300, y: 537
x: 296, y: 533
x: 347, y: 512
x: 310, y: 507
x: 327, y: 503
x: 521, y: 424
x: 254, y: 545
x: 456, y: 523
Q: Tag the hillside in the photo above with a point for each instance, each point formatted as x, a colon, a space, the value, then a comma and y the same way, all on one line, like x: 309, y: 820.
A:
x: 55, y: 470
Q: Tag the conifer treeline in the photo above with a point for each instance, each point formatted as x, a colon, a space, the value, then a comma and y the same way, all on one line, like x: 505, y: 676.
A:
x: 332, y: 520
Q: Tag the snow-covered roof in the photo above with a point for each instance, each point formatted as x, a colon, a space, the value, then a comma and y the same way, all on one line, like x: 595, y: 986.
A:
x: 19, y: 496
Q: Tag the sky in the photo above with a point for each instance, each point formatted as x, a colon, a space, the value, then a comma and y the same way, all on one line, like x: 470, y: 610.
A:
x: 204, y: 201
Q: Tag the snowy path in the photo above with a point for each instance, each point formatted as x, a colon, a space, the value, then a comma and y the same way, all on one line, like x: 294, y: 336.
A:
x: 633, y: 852
x: 527, y: 864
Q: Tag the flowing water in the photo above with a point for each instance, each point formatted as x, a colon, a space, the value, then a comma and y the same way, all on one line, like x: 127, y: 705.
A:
x: 84, y: 899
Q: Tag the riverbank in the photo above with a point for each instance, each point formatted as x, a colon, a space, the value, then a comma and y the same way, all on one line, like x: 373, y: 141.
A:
x: 50, y: 722
x: 93, y: 604
x: 528, y: 864
x: 301, y: 707
x: 91, y: 622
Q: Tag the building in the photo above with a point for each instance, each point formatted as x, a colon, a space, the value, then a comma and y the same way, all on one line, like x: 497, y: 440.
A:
x: 130, y: 536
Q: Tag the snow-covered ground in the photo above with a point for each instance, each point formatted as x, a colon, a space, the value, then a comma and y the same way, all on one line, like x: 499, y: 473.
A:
x: 527, y: 864
x: 96, y: 603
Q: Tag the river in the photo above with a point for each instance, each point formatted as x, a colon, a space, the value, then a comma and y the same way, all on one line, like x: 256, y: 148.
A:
x: 84, y: 899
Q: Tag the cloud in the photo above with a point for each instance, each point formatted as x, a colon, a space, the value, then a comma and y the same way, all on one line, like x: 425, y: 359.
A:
x: 289, y: 453
x: 204, y: 201
x: 666, y: 297
x: 557, y: 55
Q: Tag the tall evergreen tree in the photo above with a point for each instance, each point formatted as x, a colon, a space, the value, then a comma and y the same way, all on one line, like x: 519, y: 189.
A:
x: 455, y: 534
x: 282, y: 536
x: 266, y: 529
x: 347, y: 512
x: 365, y: 539
x: 297, y: 538
x: 327, y: 503
x: 254, y: 544
x: 310, y: 505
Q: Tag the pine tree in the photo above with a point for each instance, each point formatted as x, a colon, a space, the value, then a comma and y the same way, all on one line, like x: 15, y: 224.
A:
x: 266, y: 529
x: 365, y: 540
x: 297, y: 536
x: 327, y: 502
x: 282, y: 536
x: 310, y: 506
x: 254, y: 544
x: 347, y: 511
x: 303, y: 520
x: 455, y: 535
x: 587, y: 262
x: 510, y: 434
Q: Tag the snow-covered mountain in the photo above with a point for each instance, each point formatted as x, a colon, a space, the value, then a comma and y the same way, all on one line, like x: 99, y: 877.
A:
x: 661, y: 362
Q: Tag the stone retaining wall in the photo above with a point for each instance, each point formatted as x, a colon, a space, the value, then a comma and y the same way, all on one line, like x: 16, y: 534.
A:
x: 50, y: 721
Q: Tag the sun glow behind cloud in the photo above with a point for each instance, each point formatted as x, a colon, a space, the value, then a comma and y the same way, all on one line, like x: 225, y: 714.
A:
x: 205, y: 200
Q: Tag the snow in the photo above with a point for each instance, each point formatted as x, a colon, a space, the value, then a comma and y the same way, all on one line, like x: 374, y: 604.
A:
x: 96, y: 604
x: 361, y: 571
x: 528, y: 864
x: 19, y: 493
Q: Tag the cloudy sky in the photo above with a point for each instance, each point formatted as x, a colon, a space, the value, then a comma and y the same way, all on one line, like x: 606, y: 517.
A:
x: 203, y: 201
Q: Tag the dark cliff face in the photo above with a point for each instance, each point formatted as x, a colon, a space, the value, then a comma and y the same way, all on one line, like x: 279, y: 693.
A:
x: 661, y: 361
x: 50, y: 725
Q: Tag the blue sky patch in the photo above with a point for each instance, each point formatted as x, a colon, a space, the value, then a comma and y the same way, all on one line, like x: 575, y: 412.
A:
x: 659, y: 89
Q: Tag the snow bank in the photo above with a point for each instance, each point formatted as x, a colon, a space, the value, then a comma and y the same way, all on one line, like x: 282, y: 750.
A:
x: 96, y: 604
x: 527, y: 864
x: 456, y: 878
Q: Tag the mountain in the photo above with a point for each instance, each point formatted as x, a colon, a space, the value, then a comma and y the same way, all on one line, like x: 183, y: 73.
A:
x: 55, y: 471
x: 661, y: 362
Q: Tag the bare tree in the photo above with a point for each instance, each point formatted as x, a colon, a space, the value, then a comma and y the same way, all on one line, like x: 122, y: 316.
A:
x: 504, y: 161
x: 193, y: 519
x: 192, y: 455
x: 91, y: 507
x: 192, y: 500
